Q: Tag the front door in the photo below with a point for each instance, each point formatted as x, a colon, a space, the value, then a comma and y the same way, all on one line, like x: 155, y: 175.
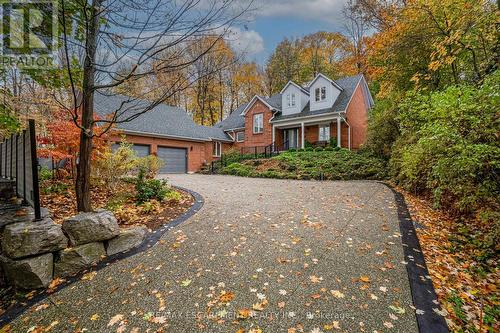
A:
x: 292, y: 137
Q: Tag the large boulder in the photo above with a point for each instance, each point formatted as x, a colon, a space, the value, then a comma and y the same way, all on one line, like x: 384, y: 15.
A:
x: 126, y: 240
x: 91, y: 227
x: 74, y: 259
x: 31, y: 238
x: 29, y: 273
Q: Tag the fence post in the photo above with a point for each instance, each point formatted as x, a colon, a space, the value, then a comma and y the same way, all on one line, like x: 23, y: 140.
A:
x: 11, y: 156
x: 17, y: 166
x: 24, y: 167
x: 1, y: 160
x: 34, y: 170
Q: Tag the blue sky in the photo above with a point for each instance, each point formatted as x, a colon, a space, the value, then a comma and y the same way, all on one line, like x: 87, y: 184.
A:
x: 274, y: 20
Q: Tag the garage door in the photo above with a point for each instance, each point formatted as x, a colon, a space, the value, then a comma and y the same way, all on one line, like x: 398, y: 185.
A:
x: 175, y: 159
x: 140, y: 150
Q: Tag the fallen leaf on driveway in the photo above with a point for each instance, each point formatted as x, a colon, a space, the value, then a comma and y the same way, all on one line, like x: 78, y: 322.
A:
x: 115, y: 319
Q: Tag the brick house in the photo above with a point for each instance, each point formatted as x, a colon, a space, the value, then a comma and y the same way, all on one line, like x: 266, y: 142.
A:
x: 315, y: 113
x: 322, y: 110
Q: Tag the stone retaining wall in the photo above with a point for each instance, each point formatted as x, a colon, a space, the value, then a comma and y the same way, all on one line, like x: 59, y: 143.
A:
x: 33, y: 253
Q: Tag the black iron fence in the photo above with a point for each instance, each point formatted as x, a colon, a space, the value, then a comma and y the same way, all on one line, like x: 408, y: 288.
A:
x: 18, y: 163
x: 248, y: 153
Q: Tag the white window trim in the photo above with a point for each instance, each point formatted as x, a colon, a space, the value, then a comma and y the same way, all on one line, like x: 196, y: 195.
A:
x: 319, y: 97
x: 319, y: 133
x: 218, y: 149
x: 260, y: 129
x: 293, y: 98
x: 241, y: 132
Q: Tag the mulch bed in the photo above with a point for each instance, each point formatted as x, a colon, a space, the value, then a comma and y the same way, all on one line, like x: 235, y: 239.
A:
x: 62, y: 204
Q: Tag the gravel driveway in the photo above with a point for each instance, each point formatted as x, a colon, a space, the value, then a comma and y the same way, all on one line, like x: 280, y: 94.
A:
x: 275, y: 255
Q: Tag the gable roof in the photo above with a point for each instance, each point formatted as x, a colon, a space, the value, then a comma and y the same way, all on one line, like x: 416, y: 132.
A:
x: 305, y: 91
x: 236, y: 120
x: 348, y: 85
x: 326, y: 78
x: 162, y: 120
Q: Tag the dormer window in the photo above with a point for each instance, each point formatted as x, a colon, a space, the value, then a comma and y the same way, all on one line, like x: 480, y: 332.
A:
x: 290, y: 99
x: 320, y: 94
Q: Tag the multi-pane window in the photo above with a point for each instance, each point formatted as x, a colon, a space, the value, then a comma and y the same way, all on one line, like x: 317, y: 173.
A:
x: 324, y: 133
x: 240, y: 136
x: 320, y: 94
x: 290, y: 99
x: 217, y: 149
x: 258, y: 123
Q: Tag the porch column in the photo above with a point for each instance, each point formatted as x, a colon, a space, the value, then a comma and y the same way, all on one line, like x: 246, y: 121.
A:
x: 274, y: 134
x: 338, y: 132
x: 302, y: 134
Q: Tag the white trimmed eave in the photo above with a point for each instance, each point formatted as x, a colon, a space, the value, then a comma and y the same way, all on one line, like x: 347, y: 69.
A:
x: 308, y: 119
x: 326, y: 78
x: 295, y: 84
x: 252, y: 101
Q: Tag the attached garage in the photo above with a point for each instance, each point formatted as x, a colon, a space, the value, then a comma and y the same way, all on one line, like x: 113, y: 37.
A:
x: 140, y: 150
x: 175, y: 159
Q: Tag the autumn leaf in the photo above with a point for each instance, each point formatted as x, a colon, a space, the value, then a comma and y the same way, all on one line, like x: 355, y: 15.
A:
x: 226, y: 297
x: 94, y: 317
x: 186, y: 283
x: 115, y: 319
x: 243, y: 313
x: 333, y: 325
x: 364, y: 279
x: 337, y: 294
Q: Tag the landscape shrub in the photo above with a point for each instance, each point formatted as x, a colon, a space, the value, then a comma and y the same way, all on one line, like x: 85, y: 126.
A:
x: 334, y: 165
x: 329, y: 148
x: 148, y: 189
x: 333, y: 142
x: 309, y: 149
x: 44, y: 174
x: 238, y: 169
x: 54, y: 188
x: 449, y: 147
x: 318, y: 149
x: 173, y: 195
x: 151, y: 165
x: 111, y: 166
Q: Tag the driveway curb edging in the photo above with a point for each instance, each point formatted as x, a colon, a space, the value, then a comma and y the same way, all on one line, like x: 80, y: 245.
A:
x: 151, y: 239
x: 422, y: 290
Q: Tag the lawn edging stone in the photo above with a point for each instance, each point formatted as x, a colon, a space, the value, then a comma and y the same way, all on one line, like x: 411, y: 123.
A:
x: 29, y: 273
x: 26, y: 239
x: 126, y: 240
x: 150, y: 239
x: 97, y: 226
x: 74, y: 259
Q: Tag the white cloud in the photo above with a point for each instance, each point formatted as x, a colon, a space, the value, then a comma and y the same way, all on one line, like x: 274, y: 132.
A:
x: 249, y: 42
x: 324, y: 10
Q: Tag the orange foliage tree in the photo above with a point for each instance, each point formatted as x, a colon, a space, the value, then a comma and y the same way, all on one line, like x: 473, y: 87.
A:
x: 62, y: 140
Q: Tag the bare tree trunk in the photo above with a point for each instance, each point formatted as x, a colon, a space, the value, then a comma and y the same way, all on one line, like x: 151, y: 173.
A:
x: 83, y: 167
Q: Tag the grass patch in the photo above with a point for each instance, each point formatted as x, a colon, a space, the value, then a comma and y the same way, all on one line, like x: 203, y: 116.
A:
x: 339, y: 164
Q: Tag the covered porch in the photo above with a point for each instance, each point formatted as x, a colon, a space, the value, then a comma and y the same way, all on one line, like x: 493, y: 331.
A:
x: 317, y: 131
